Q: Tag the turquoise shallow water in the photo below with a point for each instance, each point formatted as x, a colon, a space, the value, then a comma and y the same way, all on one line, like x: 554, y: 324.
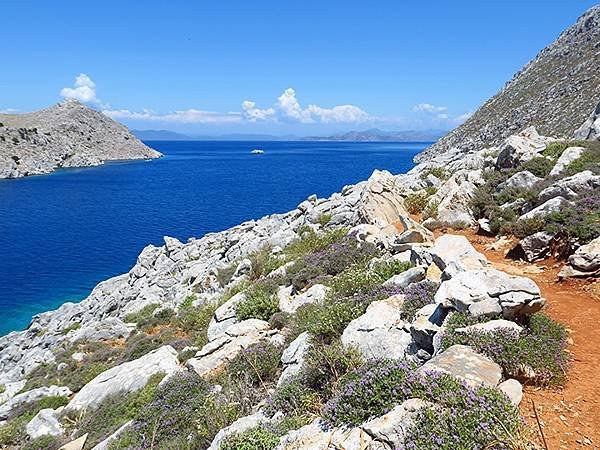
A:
x: 60, y: 234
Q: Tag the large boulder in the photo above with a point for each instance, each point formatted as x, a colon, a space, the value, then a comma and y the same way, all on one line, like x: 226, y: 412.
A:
x: 536, y: 246
x: 466, y: 364
x: 585, y: 262
x: 590, y: 129
x: 569, y: 155
x: 551, y: 206
x: 489, y: 292
x: 520, y: 148
x: 520, y: 180
x: 453, y: 254
x: 571, y: 187
x: 380, y: 201
x: 125, y: 378
x: 45, y: 423
x: 109, y: 328
x: 407, y: 277
x: 379, y: 332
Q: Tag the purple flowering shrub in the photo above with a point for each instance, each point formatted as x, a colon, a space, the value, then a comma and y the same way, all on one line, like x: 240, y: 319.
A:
x: 541, y: 347
x: 329, y: 261
x: 257, y: 365
x: 464, y: 416
x: 581, y: 221
x: 417, y: 295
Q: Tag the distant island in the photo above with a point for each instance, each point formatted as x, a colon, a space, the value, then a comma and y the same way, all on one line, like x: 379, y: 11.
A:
x: 68, y: 134
x: 371, y: 135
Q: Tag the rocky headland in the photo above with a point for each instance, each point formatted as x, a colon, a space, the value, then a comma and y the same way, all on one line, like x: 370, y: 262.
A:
x: 372, y: 319
x: 68, y: 134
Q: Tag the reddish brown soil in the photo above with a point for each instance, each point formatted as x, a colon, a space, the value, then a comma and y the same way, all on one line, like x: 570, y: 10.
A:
x: 570, y: 415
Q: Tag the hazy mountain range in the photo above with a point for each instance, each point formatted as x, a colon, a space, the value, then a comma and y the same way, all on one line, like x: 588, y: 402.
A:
x: 371, y: 135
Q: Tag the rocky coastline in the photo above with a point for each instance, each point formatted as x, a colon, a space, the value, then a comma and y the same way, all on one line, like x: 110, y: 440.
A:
x: 68, y: 134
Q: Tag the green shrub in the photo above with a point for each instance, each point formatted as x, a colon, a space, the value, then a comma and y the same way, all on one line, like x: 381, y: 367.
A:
x: 150, y: 316
x: 72, y: 327
x: 43, y: 443
x: 260, y: 303
x: 259, y: 438
x: 431, y: 210
x: 385, y: 270
x: 541, y: 346
x: 324, y: 219
x: 311, y: 242
x: 589, y: 160
x: 438, y: 172
x: 554, y: 149
x: 257, y: 364
x: 524, y: 227
x: 140, y: 343
x: 195, y: 320
x: 579, y: 221
x: 295, y: 399
x: 416, y: 202
x: 187, y: 302
x: 13, y: 431
x: 263, y: 262
x: 2, y: 389
x: 539, y: 166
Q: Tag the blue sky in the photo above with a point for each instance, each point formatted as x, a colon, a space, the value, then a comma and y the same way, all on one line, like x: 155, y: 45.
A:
x: 240, y: 66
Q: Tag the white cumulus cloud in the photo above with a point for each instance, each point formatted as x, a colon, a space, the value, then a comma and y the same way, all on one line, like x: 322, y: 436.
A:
x: 182, y: 116
x: 429, y: 108
x: 84, y: 90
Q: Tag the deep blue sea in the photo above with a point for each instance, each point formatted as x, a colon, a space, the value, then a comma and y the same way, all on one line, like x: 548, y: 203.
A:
x: 62, y: 233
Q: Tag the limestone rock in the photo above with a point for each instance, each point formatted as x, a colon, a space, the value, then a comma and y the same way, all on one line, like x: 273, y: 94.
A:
x: 425, y: 326
x: 110, y: 328
x: 536, y: 246
x: 520, y: 148
x: 125, y: 378
x: 523, y: 179
x: 571, y: 187
x: 513, y: 390
x: 407, y: 277
x: 379, y: 332
x: 465, y: 363
x: 585, y: 262
x: 553, y: 205
x: 224, y: 316
x: 45, y: 423
x: 569, y: 155
x: 590, y: 129
x: 489, y: 292
x: 293, y: 357
x: 456, y: 253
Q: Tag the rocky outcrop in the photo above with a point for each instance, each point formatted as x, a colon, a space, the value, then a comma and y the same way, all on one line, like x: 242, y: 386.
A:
x: 569, y: 155
x: 379, y: 332
x: 65, y: 135
x: 585, y: 262
x: 555, y: 92
x: 45, y: 423
x: 125, y: 378
x: 466, y: 364
x: 293, y: 358
x: 590, y: 129
x: 489, y: 292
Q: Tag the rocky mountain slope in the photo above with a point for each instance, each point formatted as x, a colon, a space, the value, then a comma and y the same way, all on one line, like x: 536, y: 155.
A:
x: 68, y: 134
x: 555, y: 92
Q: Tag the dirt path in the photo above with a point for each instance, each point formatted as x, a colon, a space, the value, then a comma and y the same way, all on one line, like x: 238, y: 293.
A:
x: 570, y: 416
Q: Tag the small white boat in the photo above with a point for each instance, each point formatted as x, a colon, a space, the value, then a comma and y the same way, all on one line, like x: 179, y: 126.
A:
x: 257, y: 151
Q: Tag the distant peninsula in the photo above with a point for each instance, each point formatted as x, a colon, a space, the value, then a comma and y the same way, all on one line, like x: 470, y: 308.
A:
x: 68, y: 134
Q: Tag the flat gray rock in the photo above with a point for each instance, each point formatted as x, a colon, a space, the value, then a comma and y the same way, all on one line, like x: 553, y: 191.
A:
x: 45, y: 423
x: 465, y: 363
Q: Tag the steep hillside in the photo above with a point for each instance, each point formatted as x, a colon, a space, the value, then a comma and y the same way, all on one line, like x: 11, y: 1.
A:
x: 555, y: 92
x: 68, y: 134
